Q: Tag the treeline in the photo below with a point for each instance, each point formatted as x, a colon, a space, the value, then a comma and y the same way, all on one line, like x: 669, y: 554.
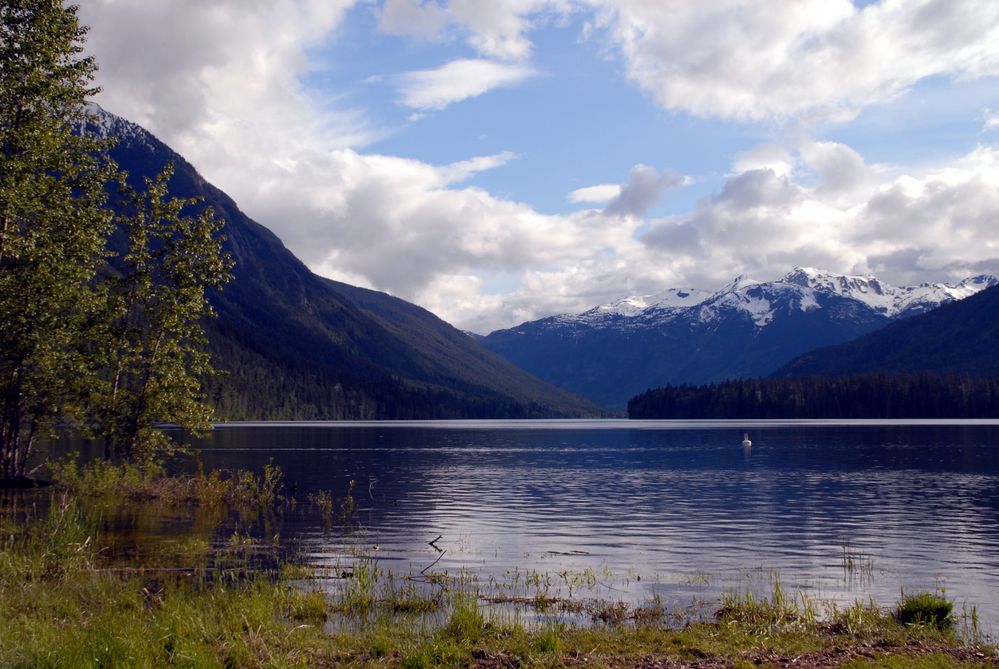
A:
x: 873, y: 395
x: 255, y: 386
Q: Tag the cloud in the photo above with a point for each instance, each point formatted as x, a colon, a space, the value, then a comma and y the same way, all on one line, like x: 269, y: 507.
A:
x: 405, y: 226
x: 934, y: 224
x: 494, y: 28
x: 598, y: 194
x: 456, y: 81
x: 761, y: 60
x: 841, y: 169
x: 497, y: 28
x: 774, y: 157
x: 991, y: 120
x: 465, y: 169
x: 223, y: 84
x: 644, y: 188
x: 221, y: 81
x: 413, y: 18
x: 738, y: 60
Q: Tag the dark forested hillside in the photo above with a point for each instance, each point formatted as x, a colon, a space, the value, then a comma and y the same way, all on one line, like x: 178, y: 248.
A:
x: 298, y: 346
x: 877, y: 395
x: 962, y: 336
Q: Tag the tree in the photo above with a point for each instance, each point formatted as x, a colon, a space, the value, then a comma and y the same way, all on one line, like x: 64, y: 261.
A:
x: 150, y: 348
x: 110, y: 343
x: 53, y: 221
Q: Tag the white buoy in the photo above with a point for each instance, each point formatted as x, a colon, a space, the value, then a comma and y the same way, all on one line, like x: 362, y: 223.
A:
x: 745, y: 440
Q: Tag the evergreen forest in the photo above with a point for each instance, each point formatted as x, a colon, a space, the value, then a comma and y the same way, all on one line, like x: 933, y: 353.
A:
x: 855, y: 396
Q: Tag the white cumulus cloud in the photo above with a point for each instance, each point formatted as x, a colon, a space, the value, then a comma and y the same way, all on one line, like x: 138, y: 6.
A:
x: 930, y: 224
x: 413, y: 18
x: 757, y: 59
x: 991, y: 120
x: 222, y: 82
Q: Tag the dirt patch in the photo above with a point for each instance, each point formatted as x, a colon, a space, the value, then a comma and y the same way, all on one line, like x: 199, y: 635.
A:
x: 834, y: 656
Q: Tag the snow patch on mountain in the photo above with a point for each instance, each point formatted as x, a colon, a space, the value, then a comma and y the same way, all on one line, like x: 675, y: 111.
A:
x: 102, y: 124
x: 885, y: 299
x: 804, y: 289
x: 668, y: 299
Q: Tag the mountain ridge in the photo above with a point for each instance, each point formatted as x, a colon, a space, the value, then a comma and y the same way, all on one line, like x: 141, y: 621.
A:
x: 961, y: 336
x: 748, y: 328
x: 297, y: 345
x: 886, y: 299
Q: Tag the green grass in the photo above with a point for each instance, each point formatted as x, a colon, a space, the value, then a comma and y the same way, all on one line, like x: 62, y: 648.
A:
x: 130, y: 483
x: 925, y: 608
x: 65, y: 602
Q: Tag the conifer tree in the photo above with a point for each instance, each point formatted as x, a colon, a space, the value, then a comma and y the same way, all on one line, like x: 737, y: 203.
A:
x: 53, y: 221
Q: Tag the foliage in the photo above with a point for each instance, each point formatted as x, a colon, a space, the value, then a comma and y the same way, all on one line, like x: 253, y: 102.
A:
x: 151, y: 348
x: 53, y: 221
x: 114, y: 345
x: 874, y: 395
x: 925, y: 608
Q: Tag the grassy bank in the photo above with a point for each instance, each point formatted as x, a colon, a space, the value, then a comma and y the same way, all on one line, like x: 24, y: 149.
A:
x: 67, y: 601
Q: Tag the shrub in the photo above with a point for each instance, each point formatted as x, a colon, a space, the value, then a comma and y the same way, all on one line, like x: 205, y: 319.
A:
x: 925, y: 609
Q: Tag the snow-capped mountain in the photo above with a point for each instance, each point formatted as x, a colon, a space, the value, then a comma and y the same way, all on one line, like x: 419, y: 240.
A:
x: 748, y: 328
x: 803, y: 289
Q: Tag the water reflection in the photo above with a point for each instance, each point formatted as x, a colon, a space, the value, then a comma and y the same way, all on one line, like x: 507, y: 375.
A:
x: 842, y: 510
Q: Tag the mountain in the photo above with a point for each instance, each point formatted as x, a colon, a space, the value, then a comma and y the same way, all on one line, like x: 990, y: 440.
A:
x: 298, y: 346
x: 958, y: 337
x: 746, y: 329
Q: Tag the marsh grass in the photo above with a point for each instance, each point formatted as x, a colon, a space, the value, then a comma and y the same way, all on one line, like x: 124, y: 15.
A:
x: 67, y: 601
x: 120, y: 483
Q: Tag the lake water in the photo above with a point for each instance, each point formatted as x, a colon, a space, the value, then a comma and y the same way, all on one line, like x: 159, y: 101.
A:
x: 670, y: 509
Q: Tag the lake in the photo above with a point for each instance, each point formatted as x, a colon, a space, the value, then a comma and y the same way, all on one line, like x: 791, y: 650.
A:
x: 636, y: 510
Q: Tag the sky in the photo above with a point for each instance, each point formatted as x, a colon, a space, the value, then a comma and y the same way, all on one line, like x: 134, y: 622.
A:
x: 497, y: 161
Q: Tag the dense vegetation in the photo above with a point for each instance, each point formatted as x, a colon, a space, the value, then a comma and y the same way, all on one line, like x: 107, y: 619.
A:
x: 109, y: 342
x: 873, y: 395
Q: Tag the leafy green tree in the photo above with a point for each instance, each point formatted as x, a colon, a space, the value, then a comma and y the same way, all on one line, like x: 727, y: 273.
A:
x: 111, y: 343
x: 53, y: 221
x: 150, y: 345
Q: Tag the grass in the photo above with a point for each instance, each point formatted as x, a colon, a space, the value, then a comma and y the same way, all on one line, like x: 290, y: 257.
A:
x: 120, y: 483
x: 925, y: 608
x: 66, y: 601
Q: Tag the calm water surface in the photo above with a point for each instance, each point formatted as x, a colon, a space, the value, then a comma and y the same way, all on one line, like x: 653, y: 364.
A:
x: 679, y: 510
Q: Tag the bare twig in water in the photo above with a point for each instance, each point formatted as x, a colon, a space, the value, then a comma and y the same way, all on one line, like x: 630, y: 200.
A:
x: 425, y: 569
x: 434, y: 543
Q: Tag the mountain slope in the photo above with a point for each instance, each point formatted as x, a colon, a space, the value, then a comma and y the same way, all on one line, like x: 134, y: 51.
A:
x: 960, y: 337
x: 746, y: 329
x: 300, y: 346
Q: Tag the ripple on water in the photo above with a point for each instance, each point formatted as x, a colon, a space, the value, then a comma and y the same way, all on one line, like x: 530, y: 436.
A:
x: 680, y: 504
